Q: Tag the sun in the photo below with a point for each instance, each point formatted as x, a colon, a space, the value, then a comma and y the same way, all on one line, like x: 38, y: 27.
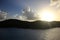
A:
x: 46, y: 15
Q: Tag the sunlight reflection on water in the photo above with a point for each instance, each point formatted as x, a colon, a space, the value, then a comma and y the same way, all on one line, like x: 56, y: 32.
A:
x: 29, y: 34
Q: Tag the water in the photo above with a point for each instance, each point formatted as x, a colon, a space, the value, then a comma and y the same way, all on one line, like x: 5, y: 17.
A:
x: 29, y: 34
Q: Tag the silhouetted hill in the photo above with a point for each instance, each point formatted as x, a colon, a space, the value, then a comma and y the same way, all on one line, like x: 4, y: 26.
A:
x: 30, y: 25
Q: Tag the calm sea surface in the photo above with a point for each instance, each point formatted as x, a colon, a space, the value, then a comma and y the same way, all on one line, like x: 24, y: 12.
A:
x: 29, y: 34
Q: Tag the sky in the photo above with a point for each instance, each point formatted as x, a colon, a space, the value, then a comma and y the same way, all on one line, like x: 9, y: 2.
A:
x: 15, y: 8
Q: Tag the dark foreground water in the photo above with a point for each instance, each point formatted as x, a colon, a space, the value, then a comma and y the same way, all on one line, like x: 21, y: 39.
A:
x: 29, y: 34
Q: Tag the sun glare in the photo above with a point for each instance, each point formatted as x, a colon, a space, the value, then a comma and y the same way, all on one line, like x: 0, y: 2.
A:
x: 47, y: 15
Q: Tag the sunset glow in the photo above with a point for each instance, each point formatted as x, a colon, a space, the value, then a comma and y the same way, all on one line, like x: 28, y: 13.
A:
x: 47, y: 15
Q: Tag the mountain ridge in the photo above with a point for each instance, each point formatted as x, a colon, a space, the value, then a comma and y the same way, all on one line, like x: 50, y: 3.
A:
x: 14, y: 23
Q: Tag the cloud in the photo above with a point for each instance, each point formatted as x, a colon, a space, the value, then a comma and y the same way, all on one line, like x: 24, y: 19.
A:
x: 27, y: 14
x: 3, y: 15
x: 55, y: 3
